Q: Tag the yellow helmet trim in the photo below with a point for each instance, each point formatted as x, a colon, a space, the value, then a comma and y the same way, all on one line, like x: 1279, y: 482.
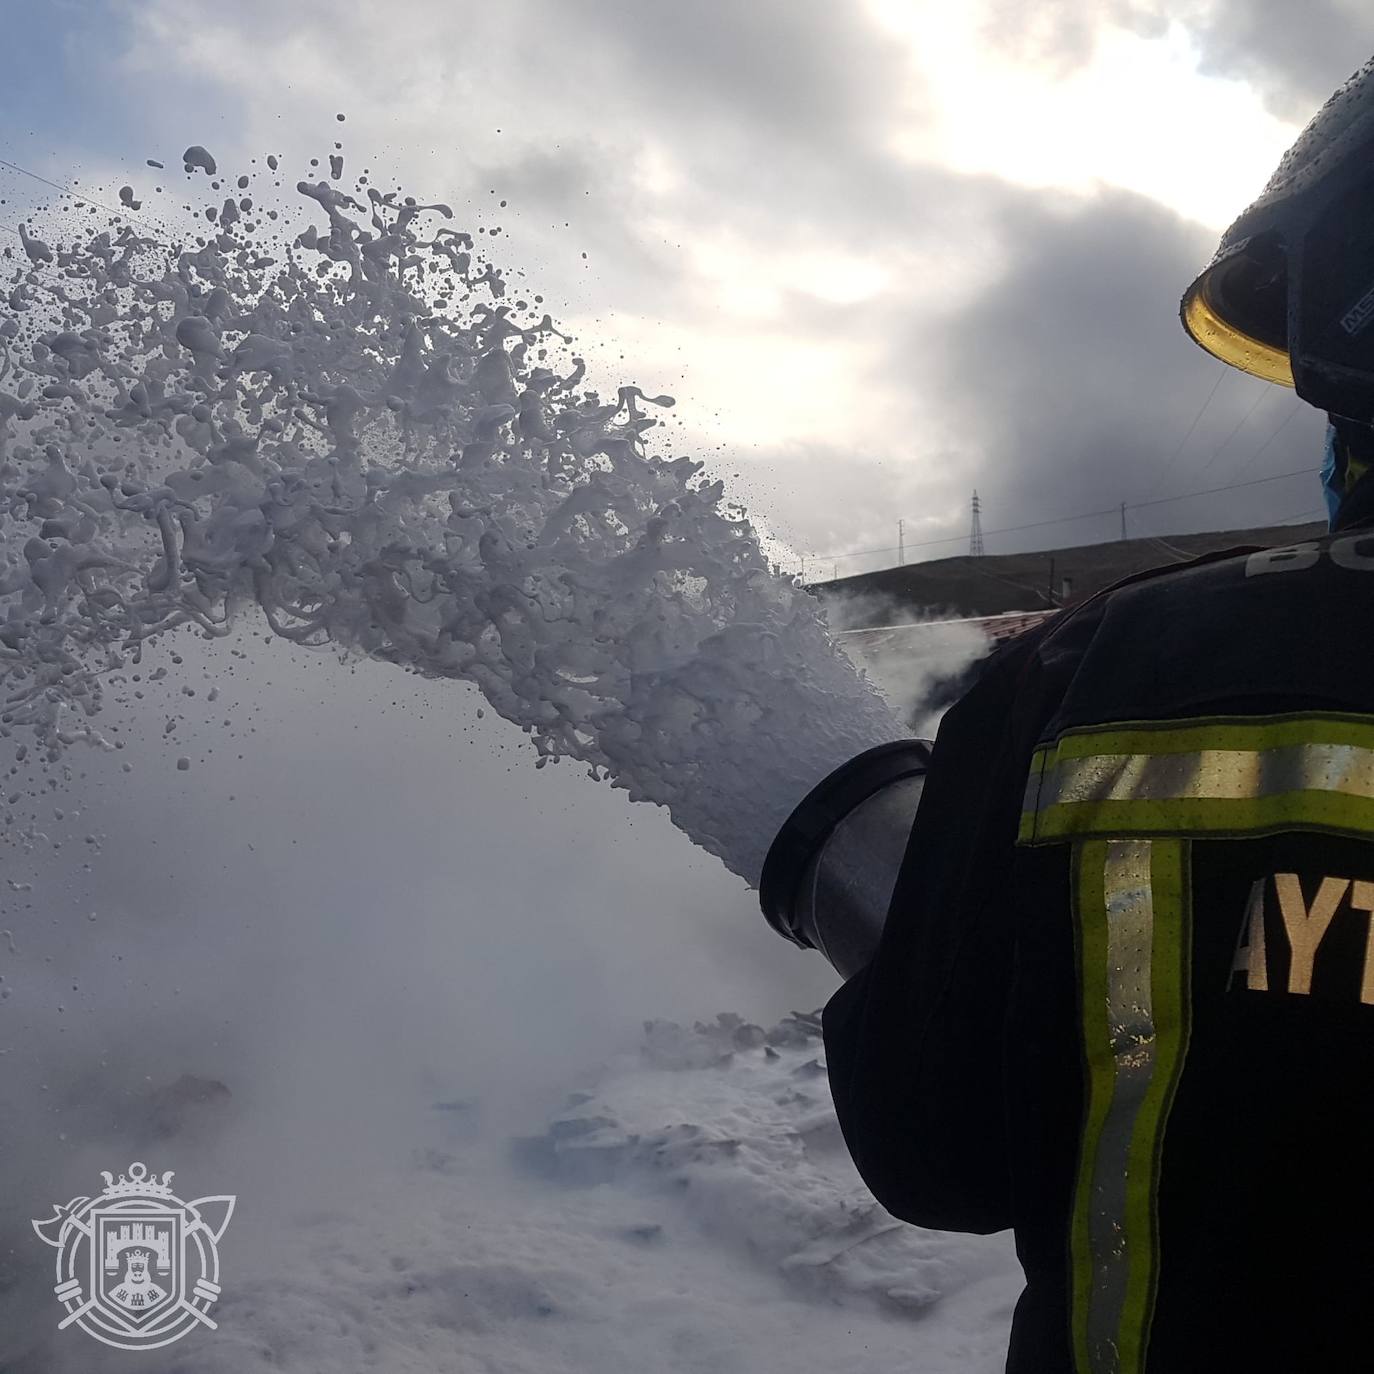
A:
x: 1231, y: 345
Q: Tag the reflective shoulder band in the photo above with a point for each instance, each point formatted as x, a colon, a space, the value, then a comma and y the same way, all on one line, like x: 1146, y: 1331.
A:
x: 1232, y: 776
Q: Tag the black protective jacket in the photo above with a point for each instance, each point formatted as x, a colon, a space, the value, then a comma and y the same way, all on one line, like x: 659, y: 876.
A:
x: 1124, y: 999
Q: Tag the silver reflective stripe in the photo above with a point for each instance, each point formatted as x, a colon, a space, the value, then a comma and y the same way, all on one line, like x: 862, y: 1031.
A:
x: 1035, y: 783
x: 1204, y: 775
x: 1132, y: 935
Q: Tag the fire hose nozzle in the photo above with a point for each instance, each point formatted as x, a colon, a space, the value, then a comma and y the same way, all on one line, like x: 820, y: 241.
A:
x: 829, y: 875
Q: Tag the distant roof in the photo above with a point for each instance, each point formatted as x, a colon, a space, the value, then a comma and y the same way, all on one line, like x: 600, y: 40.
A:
x: 995, y: 584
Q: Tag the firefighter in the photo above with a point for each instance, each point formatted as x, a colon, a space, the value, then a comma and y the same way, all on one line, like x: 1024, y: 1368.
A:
x: 1122, y: 998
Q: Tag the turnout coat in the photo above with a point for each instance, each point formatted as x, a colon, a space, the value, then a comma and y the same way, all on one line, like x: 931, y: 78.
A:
x: 1124, y: 999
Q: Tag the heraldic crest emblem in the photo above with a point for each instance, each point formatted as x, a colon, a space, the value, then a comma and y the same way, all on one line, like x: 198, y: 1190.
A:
x: 137, y: 1267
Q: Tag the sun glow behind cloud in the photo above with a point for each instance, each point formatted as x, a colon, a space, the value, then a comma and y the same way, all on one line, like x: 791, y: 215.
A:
x: 1139, y: 114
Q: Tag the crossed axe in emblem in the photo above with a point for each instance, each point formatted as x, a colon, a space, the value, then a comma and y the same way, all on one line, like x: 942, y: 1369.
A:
x: 55, y: 1230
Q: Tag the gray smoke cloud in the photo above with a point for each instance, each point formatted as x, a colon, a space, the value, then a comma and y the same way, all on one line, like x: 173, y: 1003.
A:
x: 920, y: 669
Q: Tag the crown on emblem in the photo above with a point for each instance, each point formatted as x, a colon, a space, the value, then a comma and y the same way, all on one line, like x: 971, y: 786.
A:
x: 137, y: 1254
x: 137, y: 1183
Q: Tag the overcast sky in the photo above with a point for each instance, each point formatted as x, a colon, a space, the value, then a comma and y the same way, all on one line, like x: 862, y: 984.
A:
x: 883, y: 251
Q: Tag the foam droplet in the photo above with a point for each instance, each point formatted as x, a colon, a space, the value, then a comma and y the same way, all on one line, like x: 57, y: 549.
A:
x: 197, y: 157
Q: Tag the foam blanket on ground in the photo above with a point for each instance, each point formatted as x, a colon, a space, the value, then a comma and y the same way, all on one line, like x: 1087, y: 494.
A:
x: 690, y: 1208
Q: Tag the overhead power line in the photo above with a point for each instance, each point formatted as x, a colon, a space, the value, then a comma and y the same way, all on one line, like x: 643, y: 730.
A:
x: 158, y: 233
x: 68, y: 191
x: 1084, y: 515
x: 1293, y: 412
x: 1188, y: 434
x: 1260, y: 397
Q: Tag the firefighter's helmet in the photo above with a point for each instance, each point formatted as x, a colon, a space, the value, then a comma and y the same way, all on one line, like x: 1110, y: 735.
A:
x: 1289, y: 296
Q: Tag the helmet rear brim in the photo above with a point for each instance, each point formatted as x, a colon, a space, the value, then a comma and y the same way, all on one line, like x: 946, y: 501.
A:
x: 1230, y: 344
x: 1237, y: 310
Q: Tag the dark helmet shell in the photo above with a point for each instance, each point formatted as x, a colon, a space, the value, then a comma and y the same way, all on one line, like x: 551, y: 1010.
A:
x: 1240, y: 308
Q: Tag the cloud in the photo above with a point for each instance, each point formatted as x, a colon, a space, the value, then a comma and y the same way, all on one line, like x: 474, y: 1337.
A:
x: 1296, y: 55
x: 804, y: 73
x: 1075, y: 384
x: 1059, y: 383
x: 857, y: 331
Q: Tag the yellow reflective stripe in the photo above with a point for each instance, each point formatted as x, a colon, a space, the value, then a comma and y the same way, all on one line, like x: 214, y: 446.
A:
x: 1355, y: 468
x: 1091, y: 941
x: 1236, y: 776
x: 1132, y: 926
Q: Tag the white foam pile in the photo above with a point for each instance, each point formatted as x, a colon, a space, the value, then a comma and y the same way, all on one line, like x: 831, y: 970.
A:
x: 691, y: 1210
x: 363, y: 431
